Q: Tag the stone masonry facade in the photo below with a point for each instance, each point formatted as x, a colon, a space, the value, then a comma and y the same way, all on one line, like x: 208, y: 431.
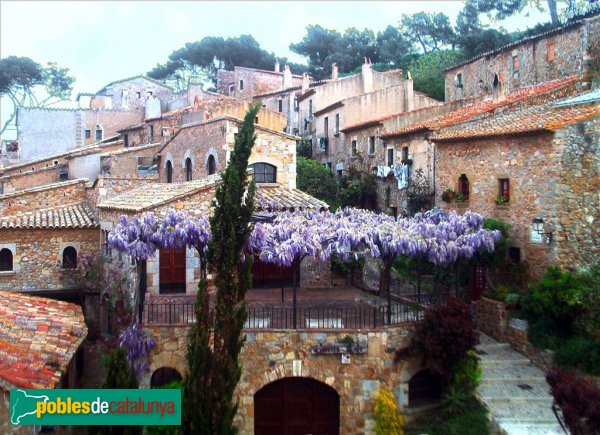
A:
x: 271, y: 355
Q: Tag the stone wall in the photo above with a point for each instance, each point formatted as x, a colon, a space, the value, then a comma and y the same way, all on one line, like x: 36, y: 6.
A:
x: 124, y: 163
x: 256, y: 82
x: 27, y: 179
x: 109, y: 121
x: 288, y: 109
x: 271, y: 355
x: 137, y: 90
x: 533, y: 166
x: 37, y: 256
x: 573, y: 46
x: 43, y: 197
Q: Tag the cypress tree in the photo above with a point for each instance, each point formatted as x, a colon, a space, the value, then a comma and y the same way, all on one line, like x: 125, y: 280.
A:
x: 209, y: 406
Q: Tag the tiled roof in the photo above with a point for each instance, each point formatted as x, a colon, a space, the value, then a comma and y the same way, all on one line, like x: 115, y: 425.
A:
x: 306, y: 94
x: 57, y: 185
x: 147, y: 198
x: 131, y: 149
x: 78, y: 215
x: 134, y: 78
x: 473, y: 110
x: 587, y: 98
x: 531, y: 119
x: 278, y: 198
x: 38, y: 338
x: 280, y: 91
x: 330, y: 107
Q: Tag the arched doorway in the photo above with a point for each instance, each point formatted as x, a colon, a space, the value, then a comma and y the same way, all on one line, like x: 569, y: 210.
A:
x: 293, y: 406
x: 169, y: 172
x: 424, y: 388
x: 211, y: 165
x: 164, y: 376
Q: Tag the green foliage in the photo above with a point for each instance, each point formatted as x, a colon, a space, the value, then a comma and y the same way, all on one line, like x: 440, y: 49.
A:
x: 208, y: 388
x: 388, y: 419
x: 316, y: 180
x: 474, y: 421
x: 459, y: 396
x: 580, y: 353
x: 428, y: 71
x: 358, y: 190
x: 419, y: 193
x: 304, y: 148
x: 343, y: 268
x: 165, y: 430
x: 499, y: 256
x: 554, y: 304
x: 431, y: 31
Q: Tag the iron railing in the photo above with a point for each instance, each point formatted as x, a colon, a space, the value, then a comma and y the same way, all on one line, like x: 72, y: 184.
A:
x: 351, y: 315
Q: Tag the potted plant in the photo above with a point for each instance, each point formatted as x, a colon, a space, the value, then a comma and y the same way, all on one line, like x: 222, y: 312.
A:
x: 448, y: 195
x: 460, y: 197
x: 501, y: 200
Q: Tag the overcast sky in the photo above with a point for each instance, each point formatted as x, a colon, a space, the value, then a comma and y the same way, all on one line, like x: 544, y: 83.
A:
x: 105, y: 41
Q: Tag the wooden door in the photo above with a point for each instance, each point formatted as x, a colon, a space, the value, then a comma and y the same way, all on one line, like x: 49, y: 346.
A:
x: 172, y: 270
x: 296, y: 406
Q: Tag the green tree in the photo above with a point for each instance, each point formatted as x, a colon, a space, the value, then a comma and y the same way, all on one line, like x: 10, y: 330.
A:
x: 203, y: 58
x: 319, y: 45
x: 428, y: 71
x: 209, y: 406
x: 430, y: 31
x: 395, y: 48
x: 22, y: 81
x: 316, y: 180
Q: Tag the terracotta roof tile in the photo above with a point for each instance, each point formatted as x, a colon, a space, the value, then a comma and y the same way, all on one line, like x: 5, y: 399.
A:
x: 38, y: 338
x: 278, y: 198
x: 467, y: 112
x: 78, y: 215
x: 530, y: 119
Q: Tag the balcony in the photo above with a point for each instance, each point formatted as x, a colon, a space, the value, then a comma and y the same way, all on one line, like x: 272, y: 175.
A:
x: 319, y: 309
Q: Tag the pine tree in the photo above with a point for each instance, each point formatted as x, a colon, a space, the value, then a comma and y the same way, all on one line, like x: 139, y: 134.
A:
x: 208, y: 402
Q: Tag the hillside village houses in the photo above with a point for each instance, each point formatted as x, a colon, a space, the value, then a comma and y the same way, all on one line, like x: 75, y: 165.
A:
x: 517, y: 138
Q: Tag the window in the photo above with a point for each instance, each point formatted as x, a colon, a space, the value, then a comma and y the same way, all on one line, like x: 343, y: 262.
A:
x: 551, y: 50
x: 371, y: 147
x: 138, y: 94
x: 188, y: 169
x: 459, y: 80
x: 211, y: 165
x: 98, y: 134
x: 6, y: 260
x: 404, y: 154
x: 88, y: 133
x: 310, y: 108
x: 515, y: 66
x: 394, y: 212
x: 241, y: 85
x: 463, y: 186
x: 149, y: 93
x: 514, y: 254
x: 280, y: 105
x: 340, y: 173
x: 264, y: 173
x: 63, y: 174
x: 337, y: 123
x: 126, y: 139
x: 151, y: 134
x: 256, y: 120
x: 353, y: 148
x: 326, y: 126
x: 231, y: 89
x: 296, y: 106
x: 69, y: 258
x: 169, y: 172
x: 329, y: 166
x: 125, y: 98
x: 390, y: 156
x: 106, y: 249
x: 504, y: 189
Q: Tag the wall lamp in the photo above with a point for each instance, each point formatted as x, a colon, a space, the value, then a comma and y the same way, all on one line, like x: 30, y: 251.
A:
x: 538, y: 227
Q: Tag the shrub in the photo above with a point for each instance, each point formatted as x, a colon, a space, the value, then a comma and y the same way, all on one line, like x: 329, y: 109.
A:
x: 553, y: 305
x: 581, y: 353
x: 466, y: 377
x: 578, y: 399
x: 165, y: 430
x: 388, y: 419
x: 444, y: 337
x: 316, y: 180
x: 472, y: 422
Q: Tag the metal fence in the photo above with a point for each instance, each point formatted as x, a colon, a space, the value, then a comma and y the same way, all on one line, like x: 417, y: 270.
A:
x: 351, y: 315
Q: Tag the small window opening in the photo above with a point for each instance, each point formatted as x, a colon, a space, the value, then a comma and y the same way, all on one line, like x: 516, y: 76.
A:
x: 211, y: 165
x: 169, y: 172
x: 514, y: 254
x: 463, y: 186
x: 188, y: 169
x: 390, y: 156
x: 504, y: 189
x: 69, y: 258
x: 6, y: 260
x: 241, y: 85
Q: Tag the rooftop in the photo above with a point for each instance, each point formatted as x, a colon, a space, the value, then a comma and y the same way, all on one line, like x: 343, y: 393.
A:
x: 527, y: 120
x: 131, y: 79
x: 79, y: 215
x: 38, y: 338
x: 147, y: 198
x: 57, y: 185
x: 472, y: 110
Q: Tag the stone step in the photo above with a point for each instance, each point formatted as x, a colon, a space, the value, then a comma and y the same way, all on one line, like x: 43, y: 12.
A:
x: 520, y: 373
x: 502, y: 355
x: 515, y: 411
x: 515, y: 390
x: 532, y: 429
x: 491, y: 347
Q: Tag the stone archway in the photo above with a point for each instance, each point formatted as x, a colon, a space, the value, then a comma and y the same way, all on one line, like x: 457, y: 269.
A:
x: 296, y: 405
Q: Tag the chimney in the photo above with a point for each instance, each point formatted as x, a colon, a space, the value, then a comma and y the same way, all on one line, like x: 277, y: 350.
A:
x: 305, y: 82
x: 276, y: 65
x: 497, y: 90
x: 409, y: 95
x: 334, y: 72
x: 287, y: 77
x: 367, y: 76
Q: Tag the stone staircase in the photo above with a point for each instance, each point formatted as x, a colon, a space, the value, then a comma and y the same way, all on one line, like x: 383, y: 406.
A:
x: 515, y: 391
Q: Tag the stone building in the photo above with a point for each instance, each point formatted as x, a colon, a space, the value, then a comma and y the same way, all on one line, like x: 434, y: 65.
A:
x: 535, y: 167
x: 44, y: 232
x: 569, y: 50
